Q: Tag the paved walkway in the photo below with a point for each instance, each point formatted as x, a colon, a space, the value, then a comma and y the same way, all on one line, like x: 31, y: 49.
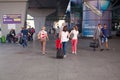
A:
x: 18, y: 63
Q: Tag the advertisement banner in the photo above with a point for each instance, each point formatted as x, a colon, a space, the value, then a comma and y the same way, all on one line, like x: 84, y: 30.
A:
x: 12, y: 19
x: 94, y: 15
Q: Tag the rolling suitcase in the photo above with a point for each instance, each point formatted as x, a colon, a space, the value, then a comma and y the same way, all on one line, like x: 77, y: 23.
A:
x: 94, y: 45
x: 60, y: 54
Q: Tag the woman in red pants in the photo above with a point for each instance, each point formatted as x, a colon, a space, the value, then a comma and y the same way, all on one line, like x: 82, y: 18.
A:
x: 74, y: 40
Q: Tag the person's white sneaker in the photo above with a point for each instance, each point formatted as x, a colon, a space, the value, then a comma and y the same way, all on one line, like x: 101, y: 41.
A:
x: 73, y: 52
x: 65, y: 56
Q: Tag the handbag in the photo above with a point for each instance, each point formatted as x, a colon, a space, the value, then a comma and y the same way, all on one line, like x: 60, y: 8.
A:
x: 41, y: 36
x: 71, y: 36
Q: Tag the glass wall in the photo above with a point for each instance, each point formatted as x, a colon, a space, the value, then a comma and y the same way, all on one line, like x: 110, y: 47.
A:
x: 75, y: 14
x: 95, y: 12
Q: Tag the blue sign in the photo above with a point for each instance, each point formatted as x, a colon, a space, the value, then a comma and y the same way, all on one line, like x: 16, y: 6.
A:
x: 104, y: 4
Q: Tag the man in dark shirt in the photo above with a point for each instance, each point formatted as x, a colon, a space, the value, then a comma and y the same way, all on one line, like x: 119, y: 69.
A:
x: 24, y: 32
x: 105, y: 36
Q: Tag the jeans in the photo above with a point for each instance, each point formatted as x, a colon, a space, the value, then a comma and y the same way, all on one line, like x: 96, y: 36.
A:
x: 64, y: 45
x: 104, y: 39
x: 24, y: 41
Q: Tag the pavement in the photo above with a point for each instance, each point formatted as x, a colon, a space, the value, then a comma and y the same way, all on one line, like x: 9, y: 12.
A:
x: 18, y: 63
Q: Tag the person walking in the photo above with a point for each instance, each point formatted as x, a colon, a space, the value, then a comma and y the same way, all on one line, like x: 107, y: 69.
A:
x: 64, y: 36
x: 74, y: 33
x: 98, y: 35
x: 43, y: 36
x: 24, y: 32
x: 105, y: 36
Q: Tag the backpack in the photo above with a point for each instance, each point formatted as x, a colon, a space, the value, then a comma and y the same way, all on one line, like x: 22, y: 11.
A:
x: 32, y: 30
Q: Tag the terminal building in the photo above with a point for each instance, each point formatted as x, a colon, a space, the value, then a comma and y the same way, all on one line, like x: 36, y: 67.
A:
x: 22, y: 61
x: 86, y: 14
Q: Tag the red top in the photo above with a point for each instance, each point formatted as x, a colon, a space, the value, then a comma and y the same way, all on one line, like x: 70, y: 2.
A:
x: 58, y: 44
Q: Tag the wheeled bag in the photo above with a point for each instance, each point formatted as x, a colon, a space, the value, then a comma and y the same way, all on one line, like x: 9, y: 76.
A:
x: 94, y: 44
x: 60, y: 54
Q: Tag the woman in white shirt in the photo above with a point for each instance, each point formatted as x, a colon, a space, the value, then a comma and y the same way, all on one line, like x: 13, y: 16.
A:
x: 74, y: 40
x: 64, y: 36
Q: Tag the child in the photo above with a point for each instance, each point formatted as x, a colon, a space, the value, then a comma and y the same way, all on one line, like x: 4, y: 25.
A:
x: 58, y: 43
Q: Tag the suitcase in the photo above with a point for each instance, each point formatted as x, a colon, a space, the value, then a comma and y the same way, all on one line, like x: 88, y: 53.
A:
x: 94, y: 45
x: 60, y: 54
x: 3, y: 39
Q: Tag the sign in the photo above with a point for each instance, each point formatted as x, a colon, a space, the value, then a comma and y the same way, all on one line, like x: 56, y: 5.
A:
x: 12, y: 19
x: 11, y: 26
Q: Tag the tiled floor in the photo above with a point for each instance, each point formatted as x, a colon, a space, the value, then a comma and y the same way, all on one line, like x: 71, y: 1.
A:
x: 18, y: 63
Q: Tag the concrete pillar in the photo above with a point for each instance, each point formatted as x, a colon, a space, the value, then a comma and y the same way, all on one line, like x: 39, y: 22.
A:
x: 39, y: 18
x: 12, y: 7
